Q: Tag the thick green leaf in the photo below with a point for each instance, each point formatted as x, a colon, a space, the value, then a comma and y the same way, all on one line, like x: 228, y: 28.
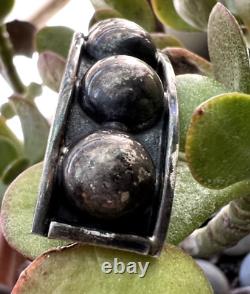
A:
x: 194, y: 204
x: 218, y: 141
x: 78, y: 269
x: 104, y: 13
x: 14, y: 169
x: 5, y: 8
x: 166, y: 13
x: 51, y: 68
x: 35, y: 129
x: 56, y: 39
x: 192, y: 90
x: 17, y: 215
x: 228, y: 51
x: 162, y: 40
x: 195, y: 12
x: 185, y: 61
x: 8, y: 153
x: 138, y: 11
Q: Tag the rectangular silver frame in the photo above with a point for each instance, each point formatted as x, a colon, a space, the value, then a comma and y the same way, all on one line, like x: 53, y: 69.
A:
x: 43, y: 225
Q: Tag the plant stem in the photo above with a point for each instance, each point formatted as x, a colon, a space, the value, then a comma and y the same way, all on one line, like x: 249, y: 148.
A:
x: 228, y: 227
x: 6, y: 55
x: 44, y: 13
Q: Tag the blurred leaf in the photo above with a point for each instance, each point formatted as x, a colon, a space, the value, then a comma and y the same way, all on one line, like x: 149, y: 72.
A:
x: 243, y: 10
x: 14, y: 169
x: 3, y: 188
x: 22, y: 36
x: 185, y: 61
x: 17, y: 215
x: 194, y: 204
x: 195, y: 12
x: 33, y: 90
x: 5, y: 8
x: 51, y: 68
x: 192, y: 90
x: 100, y: 4
x: 166, y: 13
x: 7, y: 110
x: 35, y: 129
x: 56, y: 39
x: 218, y: 141
x: 8, y: 153
x: 247, y: 38
x: 6, y: 132
x: 162, y: 40
x: 231, y: 5
x: 138, y: 11
x: 102, y: 14
x: 78, y: 269
x: 228, y: 51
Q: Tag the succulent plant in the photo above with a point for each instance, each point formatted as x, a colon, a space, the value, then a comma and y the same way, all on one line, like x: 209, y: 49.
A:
x: 213, y: 170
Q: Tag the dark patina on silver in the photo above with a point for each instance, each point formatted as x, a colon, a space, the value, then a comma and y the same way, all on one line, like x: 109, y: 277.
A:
x: 107, y: 179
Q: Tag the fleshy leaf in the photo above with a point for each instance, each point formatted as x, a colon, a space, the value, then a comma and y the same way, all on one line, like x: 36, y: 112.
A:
x: 101, y: 14
x: 228, y: 51
x: 162, y: 40
x: 17, y: 215
x: 22, y: 36
x: 8, y: 153
x: 192, y: 90
x: 185, y: 61
x: 78, y: 269
x: 166, y: 13
x: 5, y: 8
x: 218, y: 141
x: 35, y: 129
x: 51, y: 68
x: 194, y: 204
x: 138, y: 11
x: 195, y: 12
x: 56, y: 39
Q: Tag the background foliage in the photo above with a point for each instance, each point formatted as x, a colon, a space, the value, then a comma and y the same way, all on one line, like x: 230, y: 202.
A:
x: 214, y: 129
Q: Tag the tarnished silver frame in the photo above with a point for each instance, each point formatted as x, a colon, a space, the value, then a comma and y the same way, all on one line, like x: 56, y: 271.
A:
x: 164, y: 152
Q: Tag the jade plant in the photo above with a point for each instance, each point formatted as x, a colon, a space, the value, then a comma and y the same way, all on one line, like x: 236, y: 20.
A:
x: 213, y: 175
